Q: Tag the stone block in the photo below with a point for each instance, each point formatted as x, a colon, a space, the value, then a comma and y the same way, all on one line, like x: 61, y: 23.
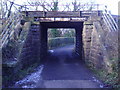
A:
x: 88, y: 23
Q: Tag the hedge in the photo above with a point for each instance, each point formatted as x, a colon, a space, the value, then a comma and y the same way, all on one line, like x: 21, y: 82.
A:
x: 60, y: 41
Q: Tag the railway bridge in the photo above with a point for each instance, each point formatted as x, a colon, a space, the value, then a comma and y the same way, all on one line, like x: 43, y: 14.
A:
x: 96, y: 35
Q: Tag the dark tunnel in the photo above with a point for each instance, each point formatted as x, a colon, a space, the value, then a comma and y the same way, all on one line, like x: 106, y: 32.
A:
x: 78, y: 26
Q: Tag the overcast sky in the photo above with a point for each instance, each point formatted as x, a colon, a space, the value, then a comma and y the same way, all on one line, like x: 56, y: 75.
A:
x: 112, y: 4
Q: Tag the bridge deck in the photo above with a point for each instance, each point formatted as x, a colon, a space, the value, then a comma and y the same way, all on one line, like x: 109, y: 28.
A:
x: 60, y: 19
x: 60, y: 14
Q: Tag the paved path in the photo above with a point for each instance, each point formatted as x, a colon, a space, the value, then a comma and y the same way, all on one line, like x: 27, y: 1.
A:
x: 64, y: 70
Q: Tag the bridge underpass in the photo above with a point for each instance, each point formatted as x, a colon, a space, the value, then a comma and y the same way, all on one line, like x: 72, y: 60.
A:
x: 64, y: 67
x: 78, y: 26
x: 91, y: 37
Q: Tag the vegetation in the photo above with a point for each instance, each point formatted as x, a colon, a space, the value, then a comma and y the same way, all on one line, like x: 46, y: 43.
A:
x: 55, y: 32
x: 60, y: 37
x: 10, y: 57
x: 52, y: 33
x: 69, y: 33
x: 10, y: 79
x: 110, y: 79
x: 9, y: 51
x: 119, y: 22
x: 60, y: 41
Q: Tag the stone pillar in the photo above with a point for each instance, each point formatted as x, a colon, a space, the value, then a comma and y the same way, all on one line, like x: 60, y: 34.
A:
x: 87, y: 30
x: 35, y: 42
x: 31, y: 48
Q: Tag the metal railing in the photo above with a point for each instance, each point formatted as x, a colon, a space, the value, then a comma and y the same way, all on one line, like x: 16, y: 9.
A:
x: 49, y: 6
x: 8, y: 26
x: 109, y: 21
x: 8, y: 30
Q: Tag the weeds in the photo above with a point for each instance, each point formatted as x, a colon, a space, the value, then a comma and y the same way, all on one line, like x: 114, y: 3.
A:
x: 10, y: 79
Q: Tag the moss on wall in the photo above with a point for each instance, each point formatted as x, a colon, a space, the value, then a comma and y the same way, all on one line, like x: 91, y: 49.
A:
x: 101, y: 51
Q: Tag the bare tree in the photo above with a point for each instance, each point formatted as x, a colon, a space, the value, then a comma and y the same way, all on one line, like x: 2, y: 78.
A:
x: 76, y: 6
x: 47, y: 6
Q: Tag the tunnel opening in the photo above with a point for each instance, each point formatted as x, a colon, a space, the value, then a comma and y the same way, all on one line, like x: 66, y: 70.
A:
x: 60, y: 37
x: 76, y: 26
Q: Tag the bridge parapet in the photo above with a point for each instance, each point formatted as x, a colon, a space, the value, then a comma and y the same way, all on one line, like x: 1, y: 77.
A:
x: 60, y: 15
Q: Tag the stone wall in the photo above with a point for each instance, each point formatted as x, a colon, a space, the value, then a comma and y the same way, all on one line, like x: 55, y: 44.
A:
x: 87, y: 31
x: 100, y: 44
x: 30, y: 53
x: 101, y: 49
x: 12, y: 65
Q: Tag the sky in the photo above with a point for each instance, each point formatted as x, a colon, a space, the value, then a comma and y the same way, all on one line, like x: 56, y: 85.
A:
x: 112, y: 5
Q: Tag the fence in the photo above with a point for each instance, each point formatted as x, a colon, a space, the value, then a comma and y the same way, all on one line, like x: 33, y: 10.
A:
x: 9, y: 21
x: 109, y: 20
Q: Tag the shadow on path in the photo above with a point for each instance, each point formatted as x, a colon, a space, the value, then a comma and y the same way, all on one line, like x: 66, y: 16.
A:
x: 64, y: 69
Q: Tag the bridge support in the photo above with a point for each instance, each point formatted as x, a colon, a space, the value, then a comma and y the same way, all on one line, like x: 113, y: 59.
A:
x: 79, y: 44
x: 43, y: 42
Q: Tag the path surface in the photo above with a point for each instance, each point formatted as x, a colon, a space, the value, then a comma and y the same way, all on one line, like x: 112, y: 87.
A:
x: 62, y: 69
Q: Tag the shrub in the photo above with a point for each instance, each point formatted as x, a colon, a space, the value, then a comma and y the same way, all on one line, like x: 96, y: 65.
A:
x: 60, y: 41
